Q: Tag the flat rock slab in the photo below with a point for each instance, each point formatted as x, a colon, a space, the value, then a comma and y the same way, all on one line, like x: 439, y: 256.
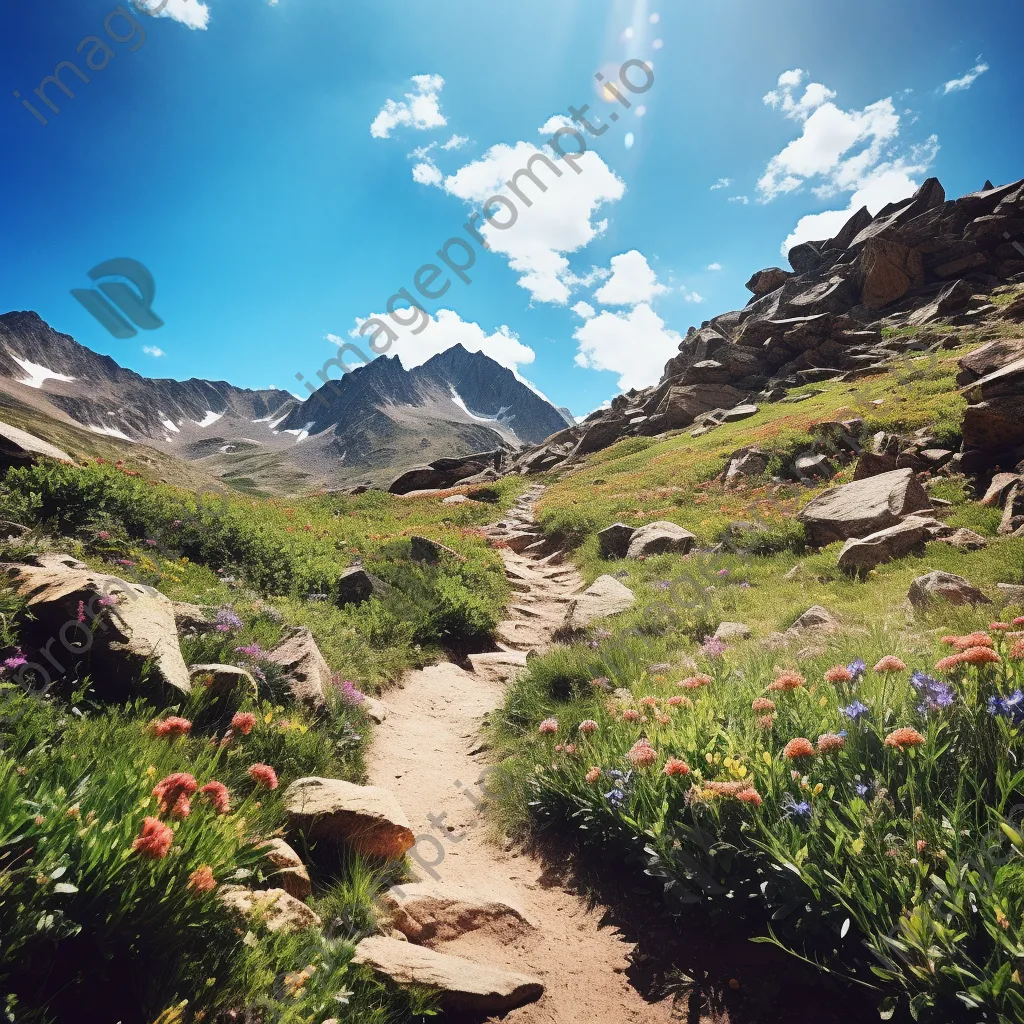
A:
x: 222, y: 679
x: 367, y: 818
x: 274, y: 908
x: 605, y: 596
x: 863, y: 507
x: 733, y: 631
x: 884, y: 546
x: 462, y: 984
x: 427, y: 912
x: 498, y: 666
x: 21, y: 446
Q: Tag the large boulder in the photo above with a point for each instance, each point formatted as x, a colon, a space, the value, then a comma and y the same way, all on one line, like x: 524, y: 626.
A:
x: 944, y: 586
x: 605, y: 596
x: 682, y: 404
x: 859, y: 555
x: 367, y: 818
x: 658, y: 538
x: 305, y: 668
x: 428, y: 912
x: 126, y: 629
x: 274, y: 909
x: 445, y: 472
x: 222, y: 679
x: 988, y: 358
x: 613, y: 541
x: 954, y: 298
x: 463, y: 986
x: 423, y: 549
x: 994, y: 421
x: 356, y: 585
x: 20, y: 448
x: 863, y: 507
x: 765, y: 281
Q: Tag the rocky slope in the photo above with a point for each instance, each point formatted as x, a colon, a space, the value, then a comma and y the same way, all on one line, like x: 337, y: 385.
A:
x: 375, y: 422
x: 850, y: 305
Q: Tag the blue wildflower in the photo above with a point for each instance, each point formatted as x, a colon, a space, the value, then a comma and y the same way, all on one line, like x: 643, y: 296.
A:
x: 861, y: 788
x: 857, y: 670
x: 936, y: 695
x: 855, y: 710
x: 663, y: 585
x: 794, y: 809
x: 1007, y: 707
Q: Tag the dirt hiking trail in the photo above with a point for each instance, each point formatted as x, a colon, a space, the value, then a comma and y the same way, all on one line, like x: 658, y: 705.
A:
x: 430, y: 753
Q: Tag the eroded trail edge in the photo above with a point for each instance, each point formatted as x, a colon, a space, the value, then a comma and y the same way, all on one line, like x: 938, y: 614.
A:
x: 476, y: 900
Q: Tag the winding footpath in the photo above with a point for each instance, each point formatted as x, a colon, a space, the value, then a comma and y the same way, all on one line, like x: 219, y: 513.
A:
x: 431, y: 753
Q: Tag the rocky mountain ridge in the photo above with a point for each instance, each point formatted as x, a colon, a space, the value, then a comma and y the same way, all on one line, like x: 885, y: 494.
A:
x: 919, y: 264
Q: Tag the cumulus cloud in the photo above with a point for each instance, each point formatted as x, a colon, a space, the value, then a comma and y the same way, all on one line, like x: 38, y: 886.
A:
x: 745, y: 200
x: 784, y: 97
x: 714, y: 266
x: 421, y: 109
x: 445, y: 329
x: 152, y: 350
x: 189, y: 12
x: 456, y: 142
x: 960, y: 84
x: 632, y: 281
x: 549, y: 224
x: 584, y: 309
x: 427, y: 173
x: 693, y: 297
x: 635, y: 344
x: 721, y: 183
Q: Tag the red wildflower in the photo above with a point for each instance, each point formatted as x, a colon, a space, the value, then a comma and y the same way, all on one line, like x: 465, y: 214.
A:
x: 648, y: 702
x: 948, y: 664
x: 890, y: 663
x: 903, y: 738
x: 155, y: 840
x: 829, y: 742
x: 766, y: 721
x: 788, y: 680
x: 173, y: 792
x: 980, y: 656
x: 750, y: 796
x: 696, y: 682
x: 631, y: 715
x: 172, y: 727
x: 219, y: 796
x: 679, y: 701
x: 673, y: 766
x: 838, y: 674
x: 243, y: 721
x: 264, y: 775
x: 593, y: 775
x: 798, y: 748
x: 762, y: 704
x: 642, y: 754
x: 202, y: 880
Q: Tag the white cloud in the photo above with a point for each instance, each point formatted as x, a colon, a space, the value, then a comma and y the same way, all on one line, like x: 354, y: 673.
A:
x: 721, y: 183
x: 427, y: 174
x: 815, y: 95
x: 960, y: 84
x: 714, y: 266
x: 632, y: 281
x: 445, y: 329
x: 694, y: 297
x: 556, y: 222
x: 456, y: 142
x: 152, y: 350
x: 189, y: 12
x: 887, y: 183
x: 584, y: 309
x: 420, y: 109
x: 636, y: 345
x: 745, y: 200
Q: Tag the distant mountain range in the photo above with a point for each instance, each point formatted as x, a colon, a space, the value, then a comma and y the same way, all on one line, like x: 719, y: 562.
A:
x: 368, y: 427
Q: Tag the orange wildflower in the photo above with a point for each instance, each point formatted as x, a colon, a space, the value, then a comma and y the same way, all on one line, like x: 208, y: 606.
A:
x: 696, y: 682
x: 593, y: 775
x: 829, y: 742
x: 980, y: 656
x: 674, y: 766
x: 838, y: 674
x: 155, y: 840
x: 766, y: 721
x: 904, y: 738
x: 202, y: 880
x: 890, y: 663
x: 798, y: 748
x: 788, y: 680
x: 750, y: 796
x: 762, y: 704
x: 642, y: 754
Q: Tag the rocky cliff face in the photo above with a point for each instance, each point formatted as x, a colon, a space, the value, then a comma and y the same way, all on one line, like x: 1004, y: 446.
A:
x: 921, y: 262
x: 375, y: 422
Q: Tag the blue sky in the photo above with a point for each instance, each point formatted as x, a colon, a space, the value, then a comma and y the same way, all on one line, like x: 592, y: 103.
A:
x: 265, y: 161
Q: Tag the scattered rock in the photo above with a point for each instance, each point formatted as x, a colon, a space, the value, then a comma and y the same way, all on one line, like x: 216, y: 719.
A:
x: 222, y: 679
x: 873, y: 464
x: 376, y: 710
x: 613, y: 540
x: 605, y: 596
x: 885, y: 545
x: 965, y: 539
x: 367, y: 818
x: 816, y: 617
x: 291, y: 874
x: 455, y: 499
x: 766, y: 281
x: 999, y: 487
x: 305, y: 668
x: 273, y: 908
x: 356, y: 585
x: 428, y: 912
x: 733, y: 631
x: 658, y: 538
x: 863, y: 507
x: 747, y: 462
x: 944, y: 586
x: 12, y: 531
x: 1011, y: 593
x: 464, y: 986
